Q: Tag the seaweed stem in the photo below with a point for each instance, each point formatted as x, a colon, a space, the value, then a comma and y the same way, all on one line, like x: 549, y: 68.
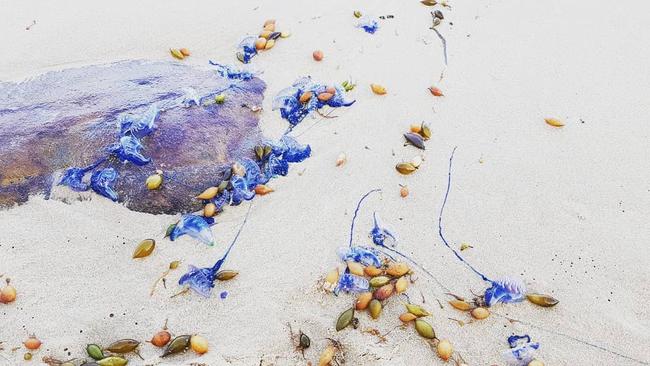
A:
x: 444, y: 41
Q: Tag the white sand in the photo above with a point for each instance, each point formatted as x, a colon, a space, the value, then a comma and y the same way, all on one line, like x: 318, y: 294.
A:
x: 567, y: 209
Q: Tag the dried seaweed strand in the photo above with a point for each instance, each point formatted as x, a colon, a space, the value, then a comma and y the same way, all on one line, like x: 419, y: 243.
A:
x: 444, y: 41
x: 586, y: 343
x: 442, y: 209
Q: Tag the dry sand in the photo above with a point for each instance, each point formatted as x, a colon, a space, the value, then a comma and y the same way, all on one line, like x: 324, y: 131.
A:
x: 567, y: 209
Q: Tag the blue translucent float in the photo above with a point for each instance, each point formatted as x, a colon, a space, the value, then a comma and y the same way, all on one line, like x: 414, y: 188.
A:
x: 522, y: 350
x: 291, y: 109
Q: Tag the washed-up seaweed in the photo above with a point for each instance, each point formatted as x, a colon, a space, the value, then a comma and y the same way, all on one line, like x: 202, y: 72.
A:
x: 306, y: 96
x: 201, y: 280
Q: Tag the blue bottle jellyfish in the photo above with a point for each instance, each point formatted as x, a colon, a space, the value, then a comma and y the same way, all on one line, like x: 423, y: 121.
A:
x: 380, y: 234
x: 246, y: 49
x: 506, y: 290
x: 522, y: 350
x: 103, y: 182
x: 201, y: 280
x: 368, y: 24
x: 352, y: 284
x: 195, y: 226
x: 365, y: 256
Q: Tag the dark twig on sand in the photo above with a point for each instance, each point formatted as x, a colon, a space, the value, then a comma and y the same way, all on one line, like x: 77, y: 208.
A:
x: 444, y: 41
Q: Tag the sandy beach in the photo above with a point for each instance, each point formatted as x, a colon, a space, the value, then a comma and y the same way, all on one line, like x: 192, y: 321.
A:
x: 566, y: 209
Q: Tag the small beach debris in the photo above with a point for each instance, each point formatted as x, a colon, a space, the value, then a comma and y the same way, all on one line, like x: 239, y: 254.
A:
x: 424, y: 329
x: 405, y: 168
x: 209, y: 210
x: 172, y: 266
x: 177, y: 345
x: 401, y: 285
x: 363, y: 300
x: 303, y: 341
x: 8, y: 292
x: 123, y: 346
x: 184, y: 51
x: 438, y: 14
x: 327, y: 355
x: 341, y: 159
x: 480, y: 313
x: 542, y: 300
x: 154, y: 181
x: 374, y: 308
x: 415, y: 140
x: 199, y: 344
x: 417, y: 310
x: 522, y: 350
x: 208, y: 193
x: 27, y: 356
x: 144, y: 249
x: 398, y: 269
x: 331, y: 280
x: 177, y: 53
x: 317, y: 55
x: 429, y: 2
x: 161, y: 338
x: 403, y: 191
x: 465, y: 246
x: 226, y: 275
x: 357, y: 14
x: 444, y: 349
x: 345, y: 319
x: 460, y: 305
x: 435, y: 91
x: 384, y: 292
x: 31, y: 25
x: 378, y: 89
x: 379, y: 281
x: 554, y: 122
x: 220, y: 98
x: 425, y: 131
x: 348, y: 85
x: 95, y: 352
x: 113, y: 361
x: 262, y: 189
x: 355, y: 268
x: 407, y: 317
x: 32, y: 343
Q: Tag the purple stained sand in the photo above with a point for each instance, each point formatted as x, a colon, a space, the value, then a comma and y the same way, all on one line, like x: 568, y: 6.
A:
x: 73, y: 118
